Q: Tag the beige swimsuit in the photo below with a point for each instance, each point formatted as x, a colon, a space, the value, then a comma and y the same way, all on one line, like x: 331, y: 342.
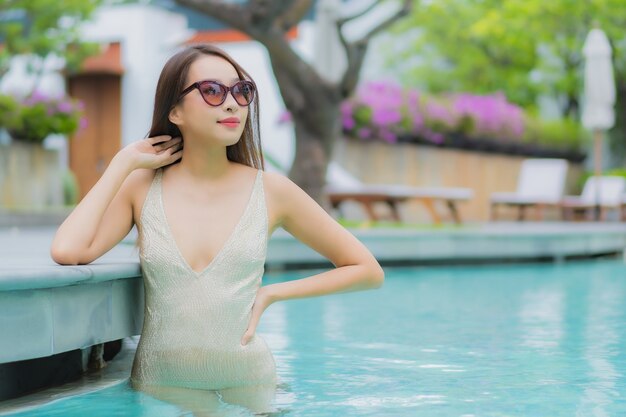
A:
x: 194, y: 321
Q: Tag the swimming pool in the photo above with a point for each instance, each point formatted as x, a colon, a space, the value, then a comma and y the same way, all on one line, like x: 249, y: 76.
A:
x: 512, y: 340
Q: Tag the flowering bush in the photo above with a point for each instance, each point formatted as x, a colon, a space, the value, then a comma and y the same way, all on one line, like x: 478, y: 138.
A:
x: 37, y: 116
x: 385, y: 111
x: 8, y: 109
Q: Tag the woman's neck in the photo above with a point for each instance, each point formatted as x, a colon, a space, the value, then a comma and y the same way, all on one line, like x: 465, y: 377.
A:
x: 204, y: 163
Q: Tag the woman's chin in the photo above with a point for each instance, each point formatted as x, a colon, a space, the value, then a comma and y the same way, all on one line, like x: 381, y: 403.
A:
x: 228, y: 139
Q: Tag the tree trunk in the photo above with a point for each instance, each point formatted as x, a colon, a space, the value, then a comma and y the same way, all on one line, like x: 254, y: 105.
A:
x: 312, y: 155
x: 315, y: 109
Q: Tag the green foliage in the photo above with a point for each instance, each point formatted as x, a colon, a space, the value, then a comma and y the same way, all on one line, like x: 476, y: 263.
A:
x: 38, y: 116
x: 580, y: 183
x: 41, y: 27
x: 521, y: 47
x: 8, y: 110
x: 560, y: 134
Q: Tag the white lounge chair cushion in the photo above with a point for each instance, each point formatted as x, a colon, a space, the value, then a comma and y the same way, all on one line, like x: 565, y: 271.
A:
x: 540, y: 181
x: 605, y: 190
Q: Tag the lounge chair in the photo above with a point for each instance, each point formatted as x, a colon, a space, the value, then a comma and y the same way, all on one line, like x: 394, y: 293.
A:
x: 341, y: 186
x: 604, y: 192
x: 540, y: 184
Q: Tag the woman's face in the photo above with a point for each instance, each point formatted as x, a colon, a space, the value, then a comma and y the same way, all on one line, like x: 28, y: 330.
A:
x: 221, y: 125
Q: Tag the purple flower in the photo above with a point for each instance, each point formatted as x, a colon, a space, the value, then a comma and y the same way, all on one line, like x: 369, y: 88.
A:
x: 385, y: 110
x: 35, y: 97
x: 388, y: 136
x: 348, y: 123
x: 386, y: 116
x: 65, y: 107
x: 493, y: 115
x: 364, y: 133
x: 347, y: 119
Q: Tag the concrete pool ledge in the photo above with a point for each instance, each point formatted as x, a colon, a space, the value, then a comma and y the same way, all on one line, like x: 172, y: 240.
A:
x: 474, y: 243
x: 49, y: 309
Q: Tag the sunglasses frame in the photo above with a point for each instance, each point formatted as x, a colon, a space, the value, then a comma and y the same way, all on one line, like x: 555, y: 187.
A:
x: 227, y: 89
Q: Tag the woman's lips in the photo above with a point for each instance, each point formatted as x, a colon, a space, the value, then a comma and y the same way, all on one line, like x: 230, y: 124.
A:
x: 230, y: 122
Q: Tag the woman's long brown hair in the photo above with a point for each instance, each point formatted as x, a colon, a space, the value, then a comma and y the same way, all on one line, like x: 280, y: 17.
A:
x: 172, y: 82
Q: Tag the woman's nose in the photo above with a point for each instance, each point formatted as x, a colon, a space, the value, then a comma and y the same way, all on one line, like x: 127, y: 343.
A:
x: 230, y: 104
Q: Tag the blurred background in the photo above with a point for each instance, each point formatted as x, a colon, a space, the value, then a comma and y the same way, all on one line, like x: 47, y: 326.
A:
x: 431, y: 119
x: 444, y: 94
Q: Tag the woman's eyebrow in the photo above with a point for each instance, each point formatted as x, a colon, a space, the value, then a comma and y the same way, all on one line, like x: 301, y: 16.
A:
x: 233, y: 80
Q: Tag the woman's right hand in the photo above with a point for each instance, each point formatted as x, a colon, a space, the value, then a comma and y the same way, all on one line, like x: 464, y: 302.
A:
x: 145, y: 154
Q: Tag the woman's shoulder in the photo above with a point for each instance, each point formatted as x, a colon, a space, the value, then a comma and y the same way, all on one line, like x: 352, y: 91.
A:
x: 276, y: 181
x: 137, y: 185
x: 140, y: 178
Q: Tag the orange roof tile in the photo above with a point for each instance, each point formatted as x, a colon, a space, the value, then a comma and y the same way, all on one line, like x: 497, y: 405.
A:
x: 108, y: 61
x: 228, y: 35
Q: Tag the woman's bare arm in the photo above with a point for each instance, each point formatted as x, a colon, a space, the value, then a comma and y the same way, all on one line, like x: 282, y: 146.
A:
x: 104, y: 216
x: 355, y: 267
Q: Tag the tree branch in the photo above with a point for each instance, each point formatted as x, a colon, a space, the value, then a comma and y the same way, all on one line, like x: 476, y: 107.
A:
x: 284, y: 57
x: 355, y: 51
x: 232, y: 14
x: 369, y: 8
x: 264, y: 13
x: 292, y: 16
x: 403, y: 11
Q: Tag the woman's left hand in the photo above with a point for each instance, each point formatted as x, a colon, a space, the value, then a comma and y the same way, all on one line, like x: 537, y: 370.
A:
x: 261, y: 302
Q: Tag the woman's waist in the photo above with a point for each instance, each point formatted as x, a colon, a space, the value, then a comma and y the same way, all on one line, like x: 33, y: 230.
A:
x: 224, y: 349
x: 204, y: 336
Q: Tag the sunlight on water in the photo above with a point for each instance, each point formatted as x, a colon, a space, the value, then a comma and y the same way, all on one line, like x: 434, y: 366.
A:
x: 519, y: 340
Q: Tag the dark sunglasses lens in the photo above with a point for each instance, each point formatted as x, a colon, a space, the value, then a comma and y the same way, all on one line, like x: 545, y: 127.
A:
x: 213, y: 93
x: 243, y: 93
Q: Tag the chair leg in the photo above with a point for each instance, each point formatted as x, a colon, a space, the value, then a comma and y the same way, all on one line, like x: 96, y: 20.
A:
x: 493, y: 214
x: 539, y: 212
x: 453, y: 211
x: 370, y: 211
x: 521, y: 212
x: 395, y: 213
x: 430, y: 206
x: 336, y: 205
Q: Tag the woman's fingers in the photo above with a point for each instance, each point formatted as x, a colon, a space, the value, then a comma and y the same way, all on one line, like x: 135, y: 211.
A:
x: 254, y: 320
x: 157, y: 139
x: 168, y: 144
x: 174, y: 156
x: 263, y: 300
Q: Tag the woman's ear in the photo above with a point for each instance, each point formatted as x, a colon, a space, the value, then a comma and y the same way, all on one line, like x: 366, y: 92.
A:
x: 175, y: 116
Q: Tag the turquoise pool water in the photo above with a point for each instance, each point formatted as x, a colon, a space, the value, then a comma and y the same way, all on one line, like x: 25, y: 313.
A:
x: 518, y: 340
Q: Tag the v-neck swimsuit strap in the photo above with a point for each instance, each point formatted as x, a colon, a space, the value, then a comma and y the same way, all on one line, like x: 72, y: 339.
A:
x: 231, y: 237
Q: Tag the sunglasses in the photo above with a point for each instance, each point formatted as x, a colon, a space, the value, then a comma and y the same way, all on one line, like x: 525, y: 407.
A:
x: 214, y: 93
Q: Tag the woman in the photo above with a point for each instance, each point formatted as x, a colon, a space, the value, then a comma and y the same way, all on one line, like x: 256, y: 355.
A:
x: 204, y: 213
